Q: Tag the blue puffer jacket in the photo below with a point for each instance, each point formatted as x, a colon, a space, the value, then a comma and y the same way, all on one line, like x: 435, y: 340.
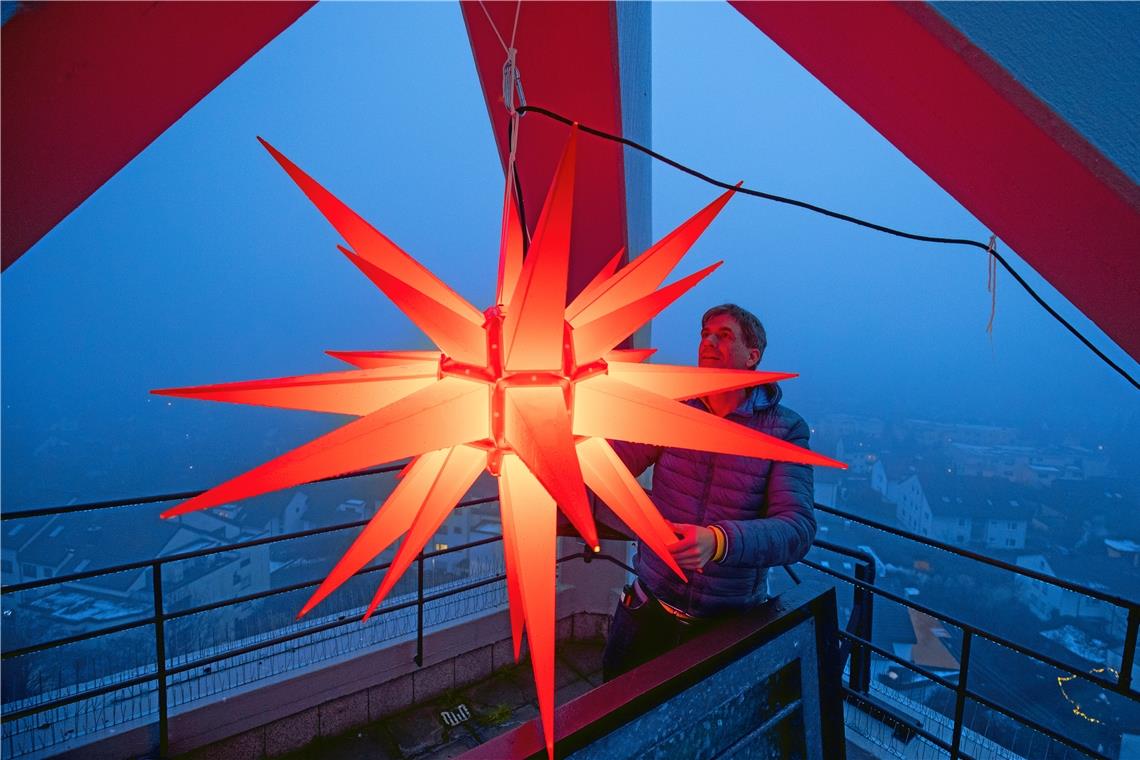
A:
x: 765, y: 508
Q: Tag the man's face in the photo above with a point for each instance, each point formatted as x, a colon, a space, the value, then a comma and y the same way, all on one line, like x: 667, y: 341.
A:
x: 722, y: 345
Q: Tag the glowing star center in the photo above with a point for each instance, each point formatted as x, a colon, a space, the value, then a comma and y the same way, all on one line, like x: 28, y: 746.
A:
x: 508, y: 387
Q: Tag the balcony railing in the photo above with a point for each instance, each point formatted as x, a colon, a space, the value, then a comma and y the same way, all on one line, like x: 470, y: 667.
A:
x: 27, y: 716
x: 146, y: 689
x: 857, y: 638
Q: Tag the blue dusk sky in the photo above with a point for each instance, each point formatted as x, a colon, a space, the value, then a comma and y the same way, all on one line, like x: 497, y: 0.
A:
x: 201, y: 262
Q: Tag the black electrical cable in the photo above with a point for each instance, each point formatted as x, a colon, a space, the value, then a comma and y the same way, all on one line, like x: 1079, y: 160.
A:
x: 517, y: 184
x: 844, y: 218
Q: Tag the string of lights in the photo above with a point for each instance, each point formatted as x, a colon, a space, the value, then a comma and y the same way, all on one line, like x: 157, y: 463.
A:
x: 989, y: 249
x: 1077, y: 709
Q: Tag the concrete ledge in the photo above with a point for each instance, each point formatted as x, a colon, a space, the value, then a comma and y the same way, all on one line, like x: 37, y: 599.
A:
x: 343, y: 713
x: 292, y: 733
x: 390, y: 697
x: 433, y: 680
x: 474, y: 666
x: 379, y: 677
x: 371, y: 686
x: 375, y: 702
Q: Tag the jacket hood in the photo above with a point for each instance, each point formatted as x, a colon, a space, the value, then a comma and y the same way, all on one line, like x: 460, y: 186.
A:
x: 766, y: 396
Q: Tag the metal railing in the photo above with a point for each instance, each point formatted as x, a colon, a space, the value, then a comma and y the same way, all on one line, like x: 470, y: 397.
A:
x: 163, y: 669
x: 861, y: 648
x: 858, y: 649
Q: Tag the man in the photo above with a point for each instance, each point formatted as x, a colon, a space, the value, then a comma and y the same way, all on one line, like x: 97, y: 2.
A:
x: 735, y: 516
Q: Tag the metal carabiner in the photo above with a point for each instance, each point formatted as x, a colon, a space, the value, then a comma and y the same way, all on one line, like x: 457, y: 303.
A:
x: 512, y: 83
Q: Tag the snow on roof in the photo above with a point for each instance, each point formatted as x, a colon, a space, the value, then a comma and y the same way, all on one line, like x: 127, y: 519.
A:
x: 77, y: 607
x: 1122, y: 545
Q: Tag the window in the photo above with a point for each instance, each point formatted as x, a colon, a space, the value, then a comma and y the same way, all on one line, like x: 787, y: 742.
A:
x: 1010, y: 542
x: 1012, y: 525
x: 30, y: 571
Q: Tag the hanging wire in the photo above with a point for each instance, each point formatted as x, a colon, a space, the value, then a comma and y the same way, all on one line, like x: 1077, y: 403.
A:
x: 513, y: 171
x: 512, y: 89
x: 515, y: 26
x: 494, y: 28
x: 514, y: 29
x: 991, y: 284
x: 990, y: 251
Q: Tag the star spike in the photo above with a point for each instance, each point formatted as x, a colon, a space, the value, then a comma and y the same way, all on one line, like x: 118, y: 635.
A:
x: 373, y: 246
x: 645, y: 274
x: 538, y: 430
x: 355, y: 392
x: 532, y: 509
x: 612, y: 482
x: 629, y: 355
x: 510, y: 247
x: 390, y: 522
x: 457, y: 336
x: 458, y: 472
x: 407, y: 468
x: 446, y: 413
x: 593, y: 339
x: 533, y: 326
x: 595, y: 285
x: 678, y: 383
x: 512, y: 565
x: 608, y: 408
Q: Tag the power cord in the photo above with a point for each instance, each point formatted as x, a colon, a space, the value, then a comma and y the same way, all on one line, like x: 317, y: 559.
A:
x: 988, y: 248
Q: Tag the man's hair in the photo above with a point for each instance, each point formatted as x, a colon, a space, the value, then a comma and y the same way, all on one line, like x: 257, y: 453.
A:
x: 752, y: 331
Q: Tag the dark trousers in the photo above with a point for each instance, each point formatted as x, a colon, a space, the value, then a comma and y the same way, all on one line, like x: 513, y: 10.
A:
x: 639, y: 634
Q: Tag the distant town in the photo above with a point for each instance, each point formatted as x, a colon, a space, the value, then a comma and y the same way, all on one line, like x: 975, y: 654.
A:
x: 1063, y: 507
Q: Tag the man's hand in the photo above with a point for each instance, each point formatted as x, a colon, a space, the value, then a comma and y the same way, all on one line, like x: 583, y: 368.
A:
x: 695, y: 547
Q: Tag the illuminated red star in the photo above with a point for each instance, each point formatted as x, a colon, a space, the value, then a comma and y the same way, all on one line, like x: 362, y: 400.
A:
x: 530, y: 389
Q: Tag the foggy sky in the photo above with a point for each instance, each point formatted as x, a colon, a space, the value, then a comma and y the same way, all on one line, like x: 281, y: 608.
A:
x: 200, y: 262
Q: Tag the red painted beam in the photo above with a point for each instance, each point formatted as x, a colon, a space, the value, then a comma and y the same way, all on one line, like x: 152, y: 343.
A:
x: 568, y: 57
x: 88, y: 85
x: 989, y: 142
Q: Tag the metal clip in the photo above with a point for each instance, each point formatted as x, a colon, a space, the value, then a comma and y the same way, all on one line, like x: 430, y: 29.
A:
x: 512, y: 83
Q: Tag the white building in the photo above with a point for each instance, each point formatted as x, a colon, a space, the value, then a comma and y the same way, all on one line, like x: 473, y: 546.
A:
x: 989, y: 513
x: 1046, y: 600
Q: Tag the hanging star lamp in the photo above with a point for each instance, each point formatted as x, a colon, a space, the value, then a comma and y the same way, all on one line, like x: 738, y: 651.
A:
x: 530, y: 390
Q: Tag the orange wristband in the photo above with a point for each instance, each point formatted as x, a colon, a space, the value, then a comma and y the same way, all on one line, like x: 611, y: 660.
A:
x: 721, y: 543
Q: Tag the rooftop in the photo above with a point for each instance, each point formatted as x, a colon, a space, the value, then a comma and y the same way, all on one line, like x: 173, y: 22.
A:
x: 957, y: 496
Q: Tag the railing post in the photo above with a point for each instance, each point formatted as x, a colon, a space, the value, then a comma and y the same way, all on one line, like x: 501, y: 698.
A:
x: 420, y: 609
x: 960, y: 696
x: 160, y: 659
x: 863, y: 600
x: 1128, y: 654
